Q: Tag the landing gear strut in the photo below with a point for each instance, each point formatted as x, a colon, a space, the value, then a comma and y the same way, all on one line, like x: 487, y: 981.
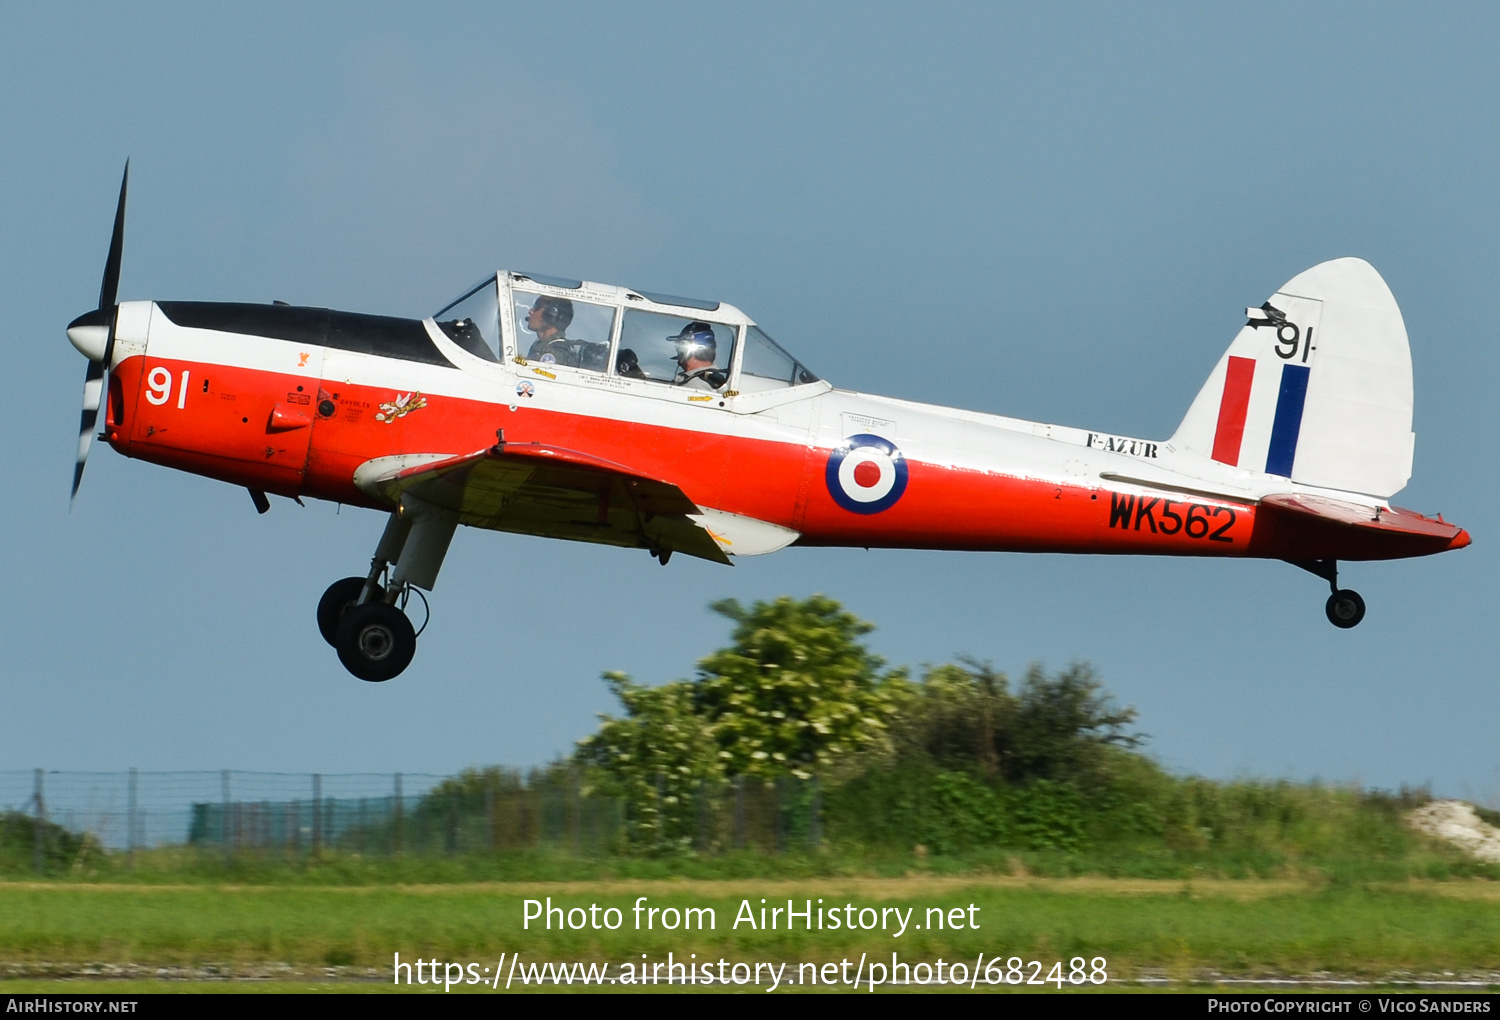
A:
x: 1344, y: 608
x: 363, y: 618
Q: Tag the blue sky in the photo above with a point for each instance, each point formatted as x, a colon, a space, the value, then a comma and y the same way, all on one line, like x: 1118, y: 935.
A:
x: 1052, y: 212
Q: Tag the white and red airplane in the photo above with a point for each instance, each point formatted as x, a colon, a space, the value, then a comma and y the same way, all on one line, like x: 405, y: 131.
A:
x: 605, y: 414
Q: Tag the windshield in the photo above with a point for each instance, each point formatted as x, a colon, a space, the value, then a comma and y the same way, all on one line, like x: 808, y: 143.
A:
x: 473, y: 321
x: 767, y: 367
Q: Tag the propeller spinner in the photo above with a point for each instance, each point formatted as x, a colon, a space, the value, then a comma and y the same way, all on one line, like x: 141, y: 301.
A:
x: 93, y: 333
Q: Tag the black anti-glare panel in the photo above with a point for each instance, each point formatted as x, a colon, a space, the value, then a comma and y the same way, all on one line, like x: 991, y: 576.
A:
x: 380, y: 335
x: 384, y: 336
x: 279, y: 322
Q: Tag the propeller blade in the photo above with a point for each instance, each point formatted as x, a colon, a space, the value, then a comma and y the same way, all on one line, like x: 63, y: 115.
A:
x: 85, y: 327
x: 93, y: 390
x: 110, y: 287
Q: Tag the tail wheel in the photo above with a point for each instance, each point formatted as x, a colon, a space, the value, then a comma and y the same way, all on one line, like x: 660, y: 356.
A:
x: 1345, y: 608
x: 338, y: 600
x: 376, y: 641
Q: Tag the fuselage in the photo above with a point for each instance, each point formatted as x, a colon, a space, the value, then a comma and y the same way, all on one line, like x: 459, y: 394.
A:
x: 293, y: 401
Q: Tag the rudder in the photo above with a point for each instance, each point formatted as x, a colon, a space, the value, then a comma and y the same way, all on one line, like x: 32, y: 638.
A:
x: 1316, y: 387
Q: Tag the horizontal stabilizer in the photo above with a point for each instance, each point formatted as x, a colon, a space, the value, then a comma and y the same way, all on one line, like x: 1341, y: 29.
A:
x: 1300, y: 526
x: 1395, y: 519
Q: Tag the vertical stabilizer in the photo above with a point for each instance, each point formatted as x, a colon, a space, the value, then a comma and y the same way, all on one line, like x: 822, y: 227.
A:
x: 1316, y: 387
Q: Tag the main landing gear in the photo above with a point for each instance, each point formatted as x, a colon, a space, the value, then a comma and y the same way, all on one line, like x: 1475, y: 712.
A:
x: 1344, y: 607
x: 364, y: 618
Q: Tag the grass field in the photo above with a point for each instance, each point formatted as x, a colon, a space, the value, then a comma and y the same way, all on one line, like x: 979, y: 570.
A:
x: 1214, y: 883
x: 1185, y: 931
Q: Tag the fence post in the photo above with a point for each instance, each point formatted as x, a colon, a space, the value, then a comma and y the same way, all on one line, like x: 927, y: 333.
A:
x: 224, y: 833
x: 364, y: 825
x: 815, y: 823
x: 739, y: 811
x: 396, y: 831
x: 130, y: 819
x: 39, y: 829
x: 317, y: 815
x: 780, y: 806
x: 661, y: 818
x: 527, y: 806
x: 489, y: 811
x: 450, y: 842
x: 702, y: 814
x: 575, y: 795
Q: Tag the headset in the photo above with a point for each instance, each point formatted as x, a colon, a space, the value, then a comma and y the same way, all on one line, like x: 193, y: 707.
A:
x: 557, y: 313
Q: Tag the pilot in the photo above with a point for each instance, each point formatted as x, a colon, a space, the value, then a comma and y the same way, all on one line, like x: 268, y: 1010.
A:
x: 549, y: 319
x: 696, y: 351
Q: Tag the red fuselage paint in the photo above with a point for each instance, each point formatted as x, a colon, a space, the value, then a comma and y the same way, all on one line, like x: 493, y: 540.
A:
x: 288, y: 435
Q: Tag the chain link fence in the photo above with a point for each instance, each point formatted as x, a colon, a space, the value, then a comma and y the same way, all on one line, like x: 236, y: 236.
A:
x: 233, y: 812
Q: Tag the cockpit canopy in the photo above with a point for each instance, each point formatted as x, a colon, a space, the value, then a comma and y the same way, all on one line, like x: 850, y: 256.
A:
x: 587, y: 327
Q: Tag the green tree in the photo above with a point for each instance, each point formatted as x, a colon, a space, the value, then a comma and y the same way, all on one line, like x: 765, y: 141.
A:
x: 797, y: 692
x: 658, y: 757
x: 962, y: 718
x: 959, y: 760
x: 1065, y: 727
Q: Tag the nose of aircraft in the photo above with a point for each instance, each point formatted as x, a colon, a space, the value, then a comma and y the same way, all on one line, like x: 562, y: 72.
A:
x: 89, y: 333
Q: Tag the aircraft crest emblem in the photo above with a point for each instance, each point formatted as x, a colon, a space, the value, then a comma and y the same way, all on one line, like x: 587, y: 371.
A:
x: 403, y: 405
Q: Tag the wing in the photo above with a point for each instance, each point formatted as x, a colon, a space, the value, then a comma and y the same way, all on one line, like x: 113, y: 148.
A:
x: 546, y: 490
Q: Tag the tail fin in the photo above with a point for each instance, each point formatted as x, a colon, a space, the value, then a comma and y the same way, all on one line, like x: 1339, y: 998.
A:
x: 1316, y: 387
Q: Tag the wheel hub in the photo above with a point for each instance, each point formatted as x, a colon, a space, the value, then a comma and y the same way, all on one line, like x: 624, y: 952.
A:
x: 376, y: 642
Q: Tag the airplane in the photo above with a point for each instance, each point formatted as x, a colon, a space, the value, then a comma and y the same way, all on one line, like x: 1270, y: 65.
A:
x: 606, y: 414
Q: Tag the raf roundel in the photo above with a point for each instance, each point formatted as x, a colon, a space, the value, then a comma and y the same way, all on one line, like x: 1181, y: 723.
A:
x: 866, y: 475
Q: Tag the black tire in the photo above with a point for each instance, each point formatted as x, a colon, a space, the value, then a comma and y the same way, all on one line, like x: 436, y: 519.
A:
x: 1345, y: 608
x: 376, y: 641
x: 336, y: 601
